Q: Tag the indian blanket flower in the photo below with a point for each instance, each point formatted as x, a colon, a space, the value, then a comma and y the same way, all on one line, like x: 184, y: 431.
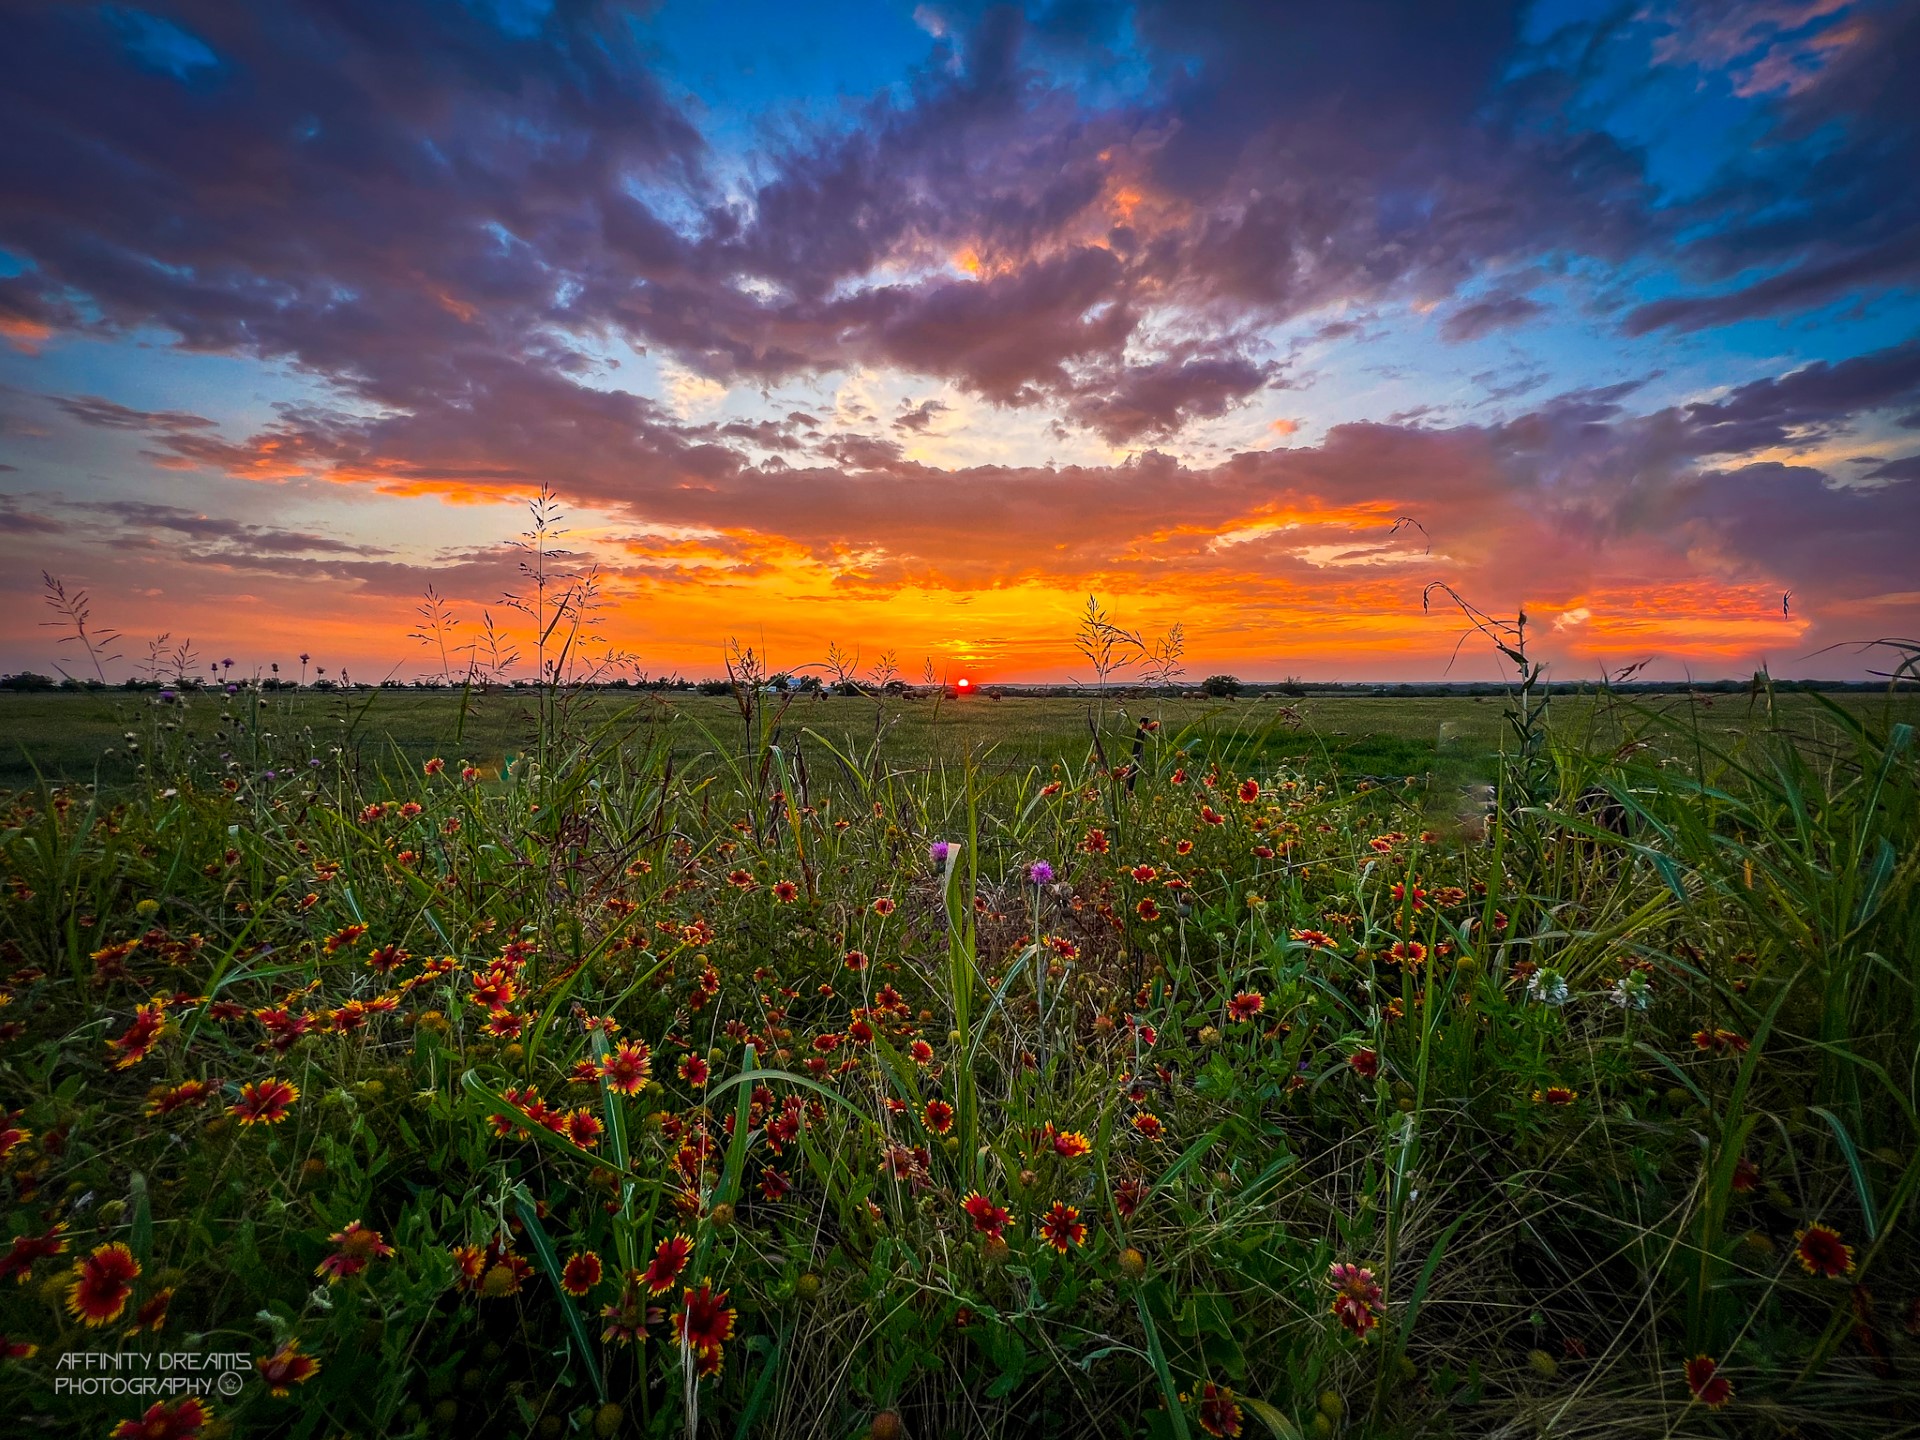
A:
x: 937, y: 1117
x: 1548, y: 986
x: 1720, y: 1042
x: 181, y: 1419
x: 581, y: 1273
x: 1245, y: 1005
x: 491, y: 1273
x: 505, y: 1277
x: 102, y: 1284
x: 1407, y: 952
x: 347, y: 934
x: 286, y: 1368
x: 704, y: 1324
x: 988, y: 1218
x: 385, y: 959
x: 628, y: 1067
x: 629, y: 1316
x: 1365, y: 1062
x: 18, y: 1261
x: 1820, y: 1252
x: 1709, y: 1386
x: 694, y: 1070
x: 883, y: 906
x: 354, y: 1248
x: 151, y: 1316
x: 469, y: 1264
x: 1219, y: 1411
x: 1062, y: 1228
x: 1555, y: 1095
x: 1358, y: 1298
x: 149, y: 1021
x: 264, y: 1102
x: 1071, y: 1144
x: 1148, y: 1126
x: 669, y: 1259
x: 583, y: 1128
x: 1249, y: 791
x: 786, y: 892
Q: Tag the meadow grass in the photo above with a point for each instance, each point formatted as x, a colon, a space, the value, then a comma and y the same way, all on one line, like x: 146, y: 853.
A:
x: 871, y: 1070
x: 80, y: 738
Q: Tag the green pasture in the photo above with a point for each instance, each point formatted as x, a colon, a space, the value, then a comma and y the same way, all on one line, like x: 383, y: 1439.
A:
x: 83, y: 738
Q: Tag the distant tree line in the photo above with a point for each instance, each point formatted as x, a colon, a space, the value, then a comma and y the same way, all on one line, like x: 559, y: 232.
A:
x: 1214, y: 687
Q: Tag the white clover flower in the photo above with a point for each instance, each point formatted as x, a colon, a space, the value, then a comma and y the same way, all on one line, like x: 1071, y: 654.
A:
x: 1631, y: 991
x: 1548, y: 986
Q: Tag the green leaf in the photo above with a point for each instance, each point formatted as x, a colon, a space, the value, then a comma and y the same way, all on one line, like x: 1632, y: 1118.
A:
x: 1171, y: 1392
x: 1852, y: 1156
x: 1875, y: 881
x: 142, y: 1228
x: 576, y: 1332
x: 1281, y: 1427
x: 540, y: 1133
x: 787, y: 1077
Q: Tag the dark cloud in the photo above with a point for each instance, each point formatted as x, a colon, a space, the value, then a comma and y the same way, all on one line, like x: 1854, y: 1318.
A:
x: 374, y: 189
x: 1805, y: 403
x: 17, y: 519
x: 93, y: 410
x: 442, y: 222
x: 859, y: 452
x: 408, y: 198
x: 1823, y: 202
x: 919, y: 418
x: 139, y: 515
x: 1789, y: 520
x: 1506, y: 386
x: 1502, y: 310
x: 1155, y: 400
x: 1906, y: 468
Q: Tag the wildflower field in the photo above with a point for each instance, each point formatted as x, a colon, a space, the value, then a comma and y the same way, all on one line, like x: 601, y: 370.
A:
x: 696, y: 1078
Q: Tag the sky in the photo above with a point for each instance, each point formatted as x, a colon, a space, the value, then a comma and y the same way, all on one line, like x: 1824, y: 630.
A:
x: 902, y: 329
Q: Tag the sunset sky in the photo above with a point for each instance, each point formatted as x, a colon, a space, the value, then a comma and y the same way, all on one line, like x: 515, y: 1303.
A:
x: 905, y: 327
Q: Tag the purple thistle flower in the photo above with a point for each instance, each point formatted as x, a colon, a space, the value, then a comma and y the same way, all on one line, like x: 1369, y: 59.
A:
x: 1040, y: 873
x: 938, y: 851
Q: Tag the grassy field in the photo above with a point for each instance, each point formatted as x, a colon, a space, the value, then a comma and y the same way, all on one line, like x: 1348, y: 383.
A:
x: 653, y: 1072
x: 83, y: 738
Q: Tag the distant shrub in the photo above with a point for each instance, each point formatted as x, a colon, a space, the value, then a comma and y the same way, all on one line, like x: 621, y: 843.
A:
x: 1220, y: 687
x: 28, y: 680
